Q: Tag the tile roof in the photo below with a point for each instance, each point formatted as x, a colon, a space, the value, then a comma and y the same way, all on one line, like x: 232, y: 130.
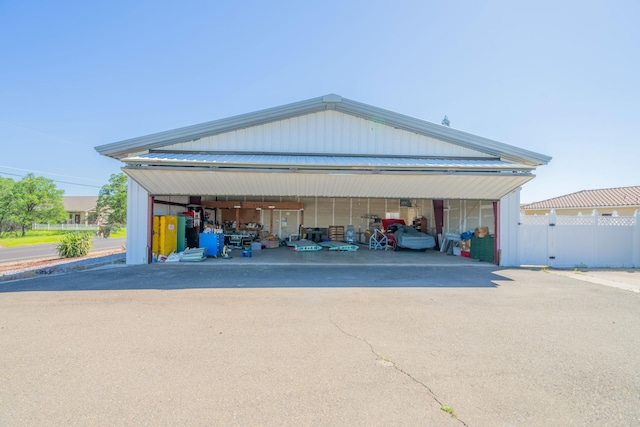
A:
x: 605, y: 197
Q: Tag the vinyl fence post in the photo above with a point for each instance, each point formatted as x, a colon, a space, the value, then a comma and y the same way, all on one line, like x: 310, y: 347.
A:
x: 635, y: 245
x: 551, y: 255
x: 595, y: 241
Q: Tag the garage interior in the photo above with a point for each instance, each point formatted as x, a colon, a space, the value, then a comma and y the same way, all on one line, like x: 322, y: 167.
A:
x: 261, y: 223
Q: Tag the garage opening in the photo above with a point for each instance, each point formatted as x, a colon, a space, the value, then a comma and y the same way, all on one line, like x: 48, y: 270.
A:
x: 242, y: 221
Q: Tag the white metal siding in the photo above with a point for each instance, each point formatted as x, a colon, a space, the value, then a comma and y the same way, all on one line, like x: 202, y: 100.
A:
x: 137, y: 223
x: 164, y: 209
x: 327, y: 132
x: 341, y: 212
x: 509, y: 237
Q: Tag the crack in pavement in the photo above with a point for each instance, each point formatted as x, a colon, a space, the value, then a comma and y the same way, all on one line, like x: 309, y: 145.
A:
x: 397, y: 368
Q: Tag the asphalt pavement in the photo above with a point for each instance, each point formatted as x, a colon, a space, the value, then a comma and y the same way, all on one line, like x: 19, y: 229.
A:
x: 48, y: 250
x: 214, y: 344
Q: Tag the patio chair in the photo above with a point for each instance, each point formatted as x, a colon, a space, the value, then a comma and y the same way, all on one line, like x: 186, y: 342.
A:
x: 378, y: 240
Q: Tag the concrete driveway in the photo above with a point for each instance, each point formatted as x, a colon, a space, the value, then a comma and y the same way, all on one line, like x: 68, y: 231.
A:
x: 305, y: 344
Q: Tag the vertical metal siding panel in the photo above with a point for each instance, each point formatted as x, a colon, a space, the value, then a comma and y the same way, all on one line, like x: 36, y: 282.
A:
x: 310, y: 218
x: 319, y: 133
x: 377, y: 207
x: 355, y: 137
x: 311, y: 139
x: 325, y: 135
x: 359, y: 208
x: 268, y: 140
x: 345, y: 135
x: 342, y: 211
x: 329, y: 128
x: 509, y: 233
x: 425, y: 146
x: 343, y: 132
x: 472, y: 215
x: 336, y: 132
x: 227, y: 141
x: 285, y: 137
x: 393, y: 206
x: 294, y: 132
x: 363, y: 135
x: 137, y: 223
x: 455, y: 213
x: 224, y: 141
x: 325, y: 212
x: 487, y: 218
x: 243, y: 140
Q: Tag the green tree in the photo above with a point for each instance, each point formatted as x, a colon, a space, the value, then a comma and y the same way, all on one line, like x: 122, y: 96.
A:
x: 112, y: 200
x: 6, y: 204
x: 36, y: 199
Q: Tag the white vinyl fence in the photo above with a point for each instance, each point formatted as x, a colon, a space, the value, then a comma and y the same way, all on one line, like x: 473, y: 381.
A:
x: 563, y: 241
x: 83, y: 227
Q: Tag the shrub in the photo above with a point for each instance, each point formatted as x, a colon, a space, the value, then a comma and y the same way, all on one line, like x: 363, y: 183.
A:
x: 73, y: 245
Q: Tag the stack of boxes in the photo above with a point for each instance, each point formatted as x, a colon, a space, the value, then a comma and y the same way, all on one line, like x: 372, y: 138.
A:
x: 336, y: 233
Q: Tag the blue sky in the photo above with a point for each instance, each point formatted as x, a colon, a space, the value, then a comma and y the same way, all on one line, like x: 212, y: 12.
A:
x: 555, y: 77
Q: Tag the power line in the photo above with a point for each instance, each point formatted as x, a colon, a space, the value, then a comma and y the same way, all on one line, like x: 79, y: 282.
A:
x: 48, y: 173
x: 60, y: 182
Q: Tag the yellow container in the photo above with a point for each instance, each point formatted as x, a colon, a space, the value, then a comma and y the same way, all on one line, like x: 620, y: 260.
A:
x: 156, y: 231
x: 165, y: 234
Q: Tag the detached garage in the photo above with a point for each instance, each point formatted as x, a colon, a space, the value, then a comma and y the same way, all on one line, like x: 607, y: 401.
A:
x: 322, y: 163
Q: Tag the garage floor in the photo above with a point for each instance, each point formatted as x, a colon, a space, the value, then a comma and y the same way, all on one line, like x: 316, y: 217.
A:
x: 363, y: 256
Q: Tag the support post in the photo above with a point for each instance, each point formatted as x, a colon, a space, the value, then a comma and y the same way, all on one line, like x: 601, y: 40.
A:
x: 635, y: 249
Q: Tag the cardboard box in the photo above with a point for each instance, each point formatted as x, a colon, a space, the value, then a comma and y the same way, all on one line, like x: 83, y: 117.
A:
x: 481, y: 231
x: 270, y: 243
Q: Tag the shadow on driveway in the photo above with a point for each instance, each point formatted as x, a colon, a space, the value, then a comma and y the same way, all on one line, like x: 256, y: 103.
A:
x: 169, y: 276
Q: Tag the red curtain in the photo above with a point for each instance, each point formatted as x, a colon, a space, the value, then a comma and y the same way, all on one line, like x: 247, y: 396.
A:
x: 438, y: 213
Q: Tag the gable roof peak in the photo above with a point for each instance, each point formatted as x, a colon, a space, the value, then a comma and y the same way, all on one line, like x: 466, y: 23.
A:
x: 331, y: 98
x: 333, y: 102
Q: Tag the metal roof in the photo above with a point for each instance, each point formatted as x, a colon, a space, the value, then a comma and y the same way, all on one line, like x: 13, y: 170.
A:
x: 125, y: 148
x: 606, y: 197
x: 322, y: 161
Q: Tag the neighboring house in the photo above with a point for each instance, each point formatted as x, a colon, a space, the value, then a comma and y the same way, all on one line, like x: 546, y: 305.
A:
x: 324, y: 162
x: 79, y: 208
x: 622, y: 201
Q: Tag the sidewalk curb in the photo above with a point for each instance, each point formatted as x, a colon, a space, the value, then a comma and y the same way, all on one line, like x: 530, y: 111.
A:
x: 64, y: 267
